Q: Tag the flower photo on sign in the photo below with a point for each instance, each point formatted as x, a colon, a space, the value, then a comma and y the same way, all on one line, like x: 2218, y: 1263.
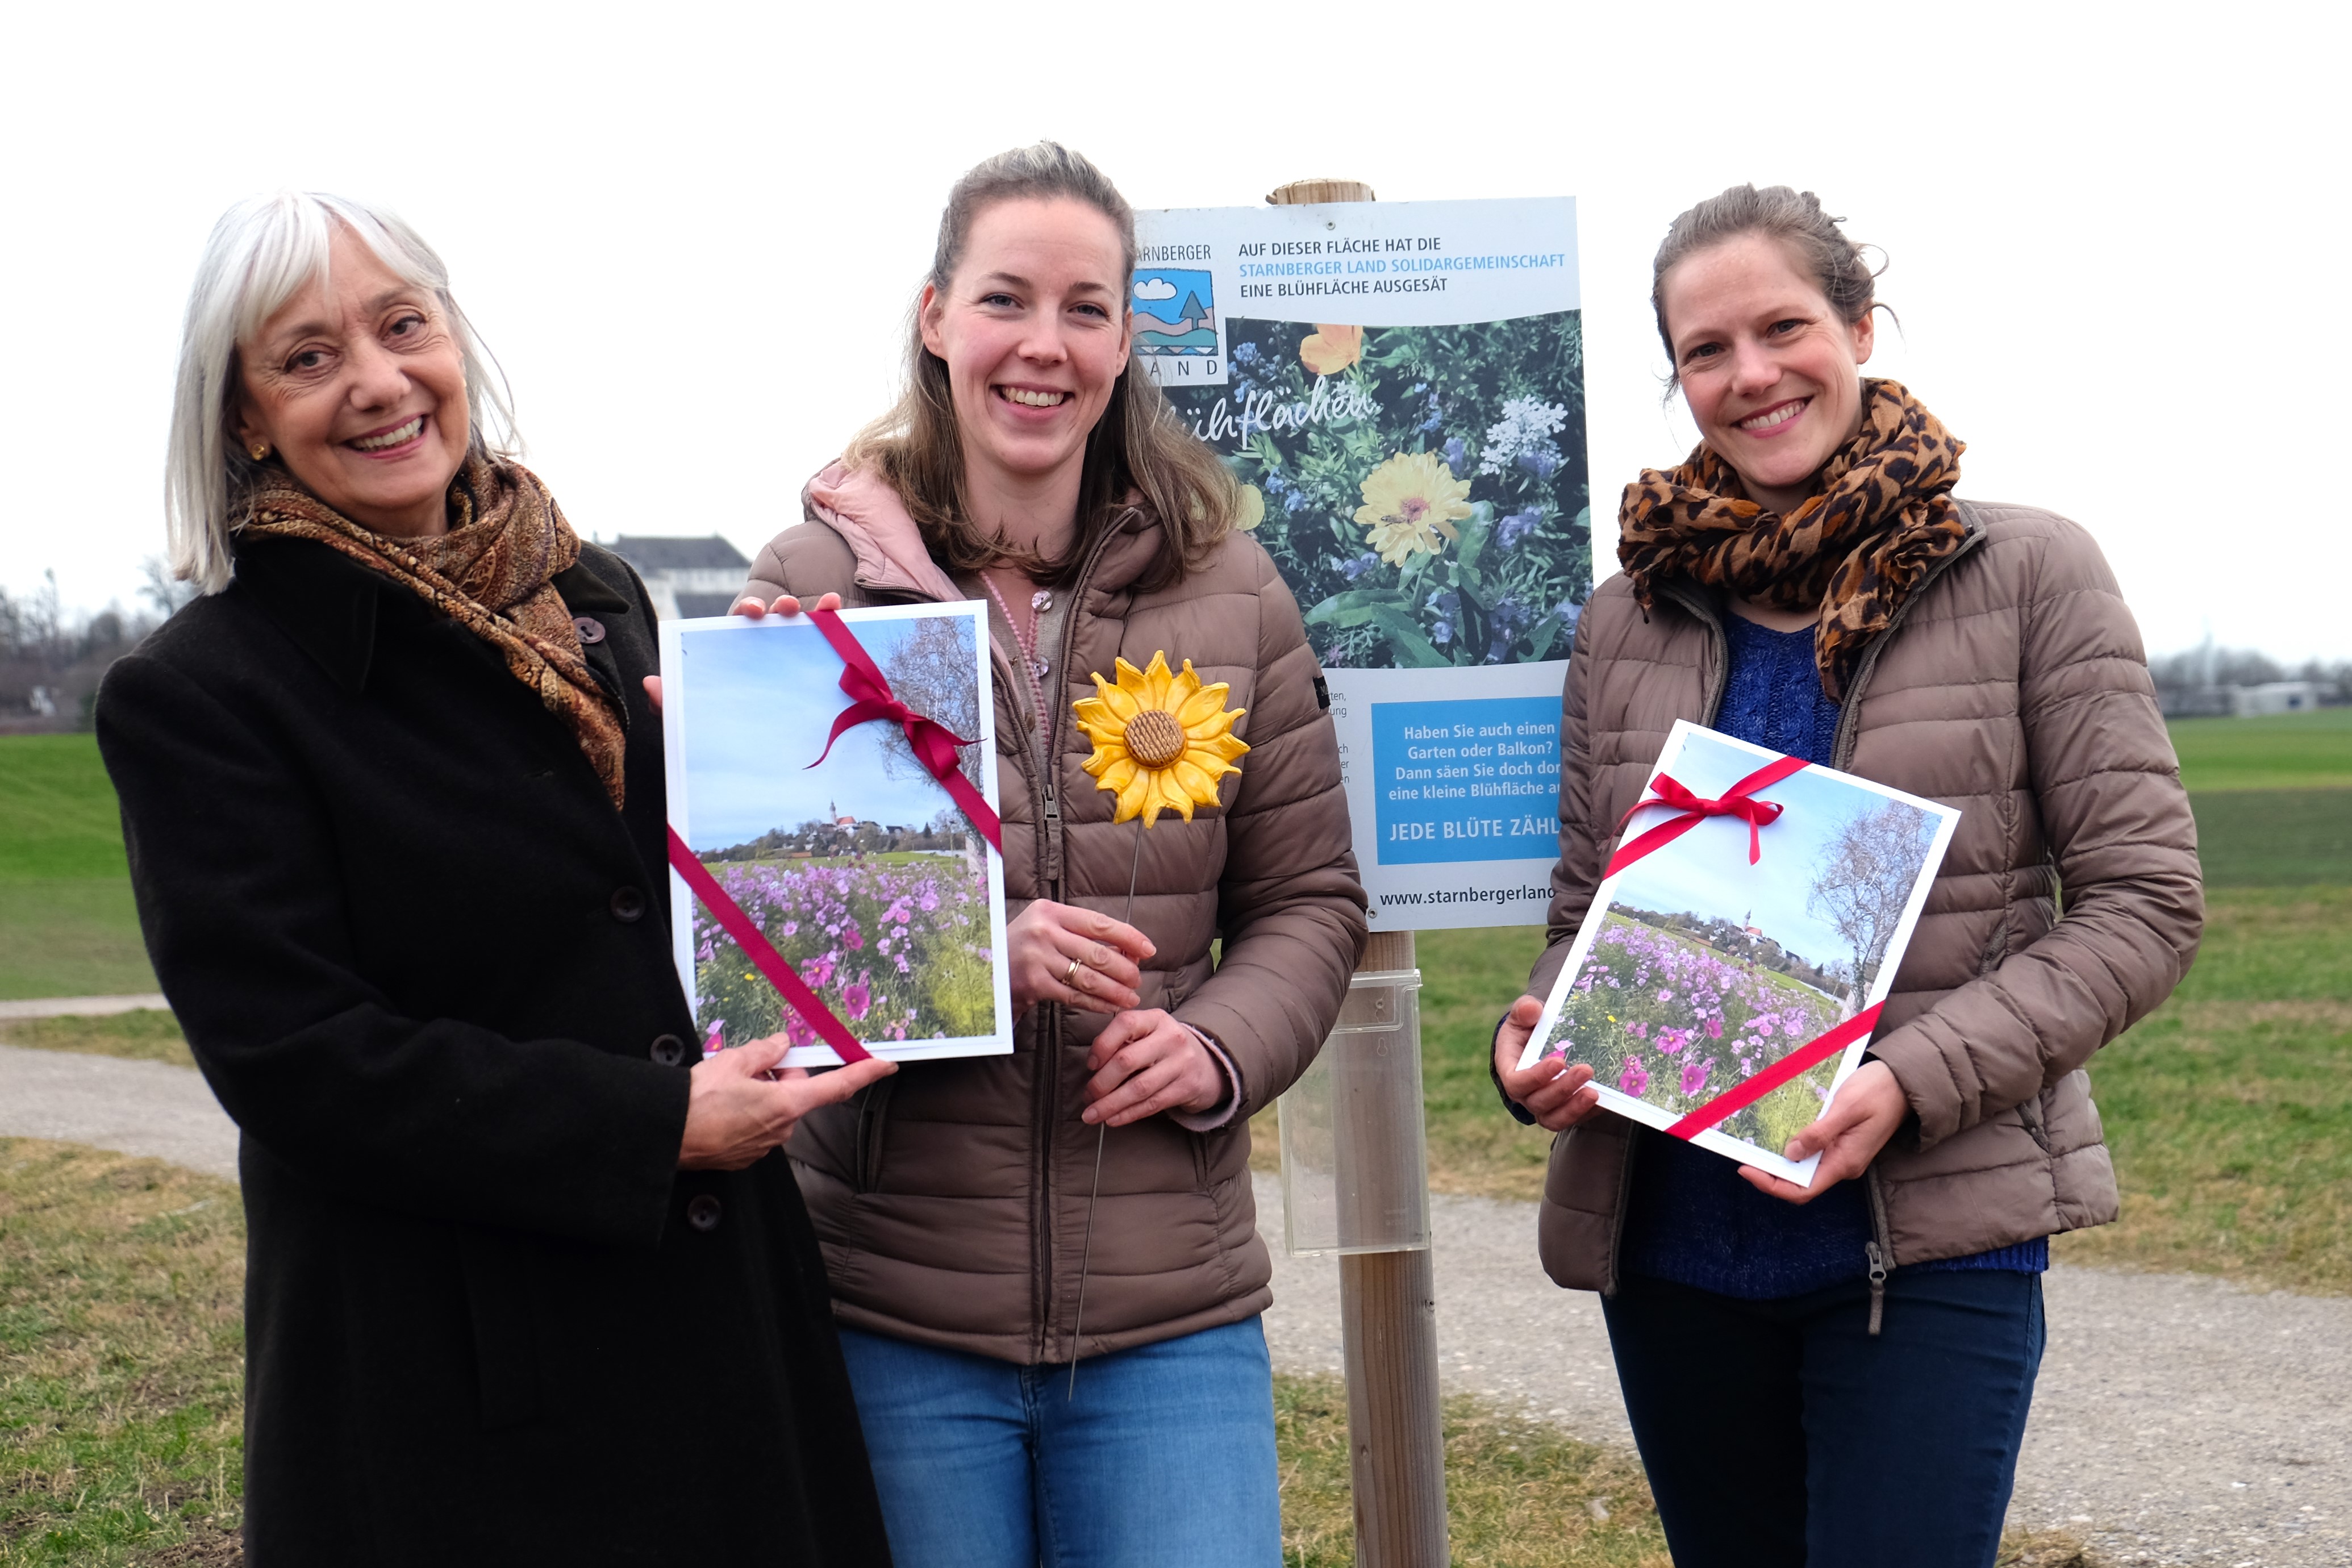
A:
x: 1423, y: 489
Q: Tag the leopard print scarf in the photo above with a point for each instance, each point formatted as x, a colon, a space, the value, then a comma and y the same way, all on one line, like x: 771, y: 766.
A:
x: 491, y: 573
x: 1882, y: 516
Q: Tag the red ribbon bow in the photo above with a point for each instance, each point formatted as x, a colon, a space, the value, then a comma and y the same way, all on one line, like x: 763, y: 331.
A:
x: 934, y: 744
x: 1667, y: 791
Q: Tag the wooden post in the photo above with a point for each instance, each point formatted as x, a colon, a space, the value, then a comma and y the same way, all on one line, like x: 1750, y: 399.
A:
x: 1387, y: 1301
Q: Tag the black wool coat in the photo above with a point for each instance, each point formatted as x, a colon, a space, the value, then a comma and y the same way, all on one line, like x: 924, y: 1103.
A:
x: 426, y: 965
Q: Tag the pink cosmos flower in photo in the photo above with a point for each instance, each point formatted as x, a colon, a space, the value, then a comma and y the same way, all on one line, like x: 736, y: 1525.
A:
x: 1643, y: 985
x: 927, y: 914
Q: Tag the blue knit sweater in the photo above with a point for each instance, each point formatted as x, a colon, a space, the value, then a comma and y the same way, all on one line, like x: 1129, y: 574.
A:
x: 1693, y: 1219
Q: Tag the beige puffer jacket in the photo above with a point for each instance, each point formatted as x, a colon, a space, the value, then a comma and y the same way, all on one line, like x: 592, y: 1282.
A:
x: 952, y: 1198
x: 2012, y: 686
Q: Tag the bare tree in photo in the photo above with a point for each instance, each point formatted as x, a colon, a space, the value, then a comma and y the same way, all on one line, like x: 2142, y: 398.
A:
x: 932, y: 672
x: 1863, y: 880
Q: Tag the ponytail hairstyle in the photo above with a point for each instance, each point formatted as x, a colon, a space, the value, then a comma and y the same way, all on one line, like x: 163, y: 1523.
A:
x: 1139, y: 445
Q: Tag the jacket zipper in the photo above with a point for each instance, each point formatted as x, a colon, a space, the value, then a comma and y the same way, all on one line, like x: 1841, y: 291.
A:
x: 1049, y: 868
x: 1842, y: 749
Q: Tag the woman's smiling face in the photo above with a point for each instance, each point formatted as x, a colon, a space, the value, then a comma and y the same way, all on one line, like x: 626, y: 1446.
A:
x: 1033, y: 330
x: 1771, y: 372
x: 357, y: 383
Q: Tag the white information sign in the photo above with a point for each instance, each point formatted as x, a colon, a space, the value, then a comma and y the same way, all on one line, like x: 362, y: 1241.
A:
x: 1399, y: 389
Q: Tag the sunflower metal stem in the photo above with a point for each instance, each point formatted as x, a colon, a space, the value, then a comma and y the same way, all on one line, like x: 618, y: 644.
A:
x: 1102, y: 1132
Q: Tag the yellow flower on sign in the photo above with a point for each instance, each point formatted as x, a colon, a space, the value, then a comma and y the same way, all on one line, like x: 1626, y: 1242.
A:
x: 1327, y: 351
x: 1161, y: 740
x: 1412, y: 503
x: 1252, y: 509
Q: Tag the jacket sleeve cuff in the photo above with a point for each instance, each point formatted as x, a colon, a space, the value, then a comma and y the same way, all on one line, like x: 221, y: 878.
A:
x: 1519, y: 1113
x: 1926, y: 1080
x: 1222, y: 1112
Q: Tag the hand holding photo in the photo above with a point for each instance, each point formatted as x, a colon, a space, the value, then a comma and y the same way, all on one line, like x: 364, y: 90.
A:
x: 1728, y: 976
x: 833, y: 812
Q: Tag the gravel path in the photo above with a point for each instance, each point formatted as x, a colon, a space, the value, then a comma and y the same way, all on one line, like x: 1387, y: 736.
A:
x: 2177, y: 1420
x: 134, y: 1107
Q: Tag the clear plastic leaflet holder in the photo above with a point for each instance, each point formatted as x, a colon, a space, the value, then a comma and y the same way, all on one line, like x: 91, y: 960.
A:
x: 1354, y: 1160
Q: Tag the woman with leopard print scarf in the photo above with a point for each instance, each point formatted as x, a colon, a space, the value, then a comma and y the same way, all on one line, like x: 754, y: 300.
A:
x: 1841, y: 1374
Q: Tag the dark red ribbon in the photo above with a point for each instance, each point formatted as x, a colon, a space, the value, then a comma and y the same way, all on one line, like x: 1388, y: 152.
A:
x: 934, y: 744
x: 1667, y: 791
x: 1804, y: 1059
x: 763, y: 953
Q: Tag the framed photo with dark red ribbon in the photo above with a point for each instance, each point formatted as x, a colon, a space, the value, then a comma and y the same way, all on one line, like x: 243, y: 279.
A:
x: 1746, y: 933
x: 835, y: 869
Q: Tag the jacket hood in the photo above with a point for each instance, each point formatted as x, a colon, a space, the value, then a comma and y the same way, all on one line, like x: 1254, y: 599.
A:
x: 873, y: 521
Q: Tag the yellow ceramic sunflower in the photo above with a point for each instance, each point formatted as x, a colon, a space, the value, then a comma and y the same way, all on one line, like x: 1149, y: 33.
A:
x: 1412, y: 502
x: 1161, y: 741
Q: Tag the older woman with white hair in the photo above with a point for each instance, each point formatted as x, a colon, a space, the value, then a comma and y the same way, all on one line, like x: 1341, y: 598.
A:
x: 524, y: 1283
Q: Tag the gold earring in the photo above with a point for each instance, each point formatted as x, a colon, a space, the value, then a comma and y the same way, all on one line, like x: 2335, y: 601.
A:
x: 260, y: 451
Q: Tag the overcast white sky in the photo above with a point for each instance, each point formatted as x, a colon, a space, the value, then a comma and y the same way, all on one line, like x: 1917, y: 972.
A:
x: 691, y: 232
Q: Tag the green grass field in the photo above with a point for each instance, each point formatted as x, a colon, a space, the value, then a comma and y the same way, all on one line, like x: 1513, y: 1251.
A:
x: 2290, y: 750
x: 67, y: 927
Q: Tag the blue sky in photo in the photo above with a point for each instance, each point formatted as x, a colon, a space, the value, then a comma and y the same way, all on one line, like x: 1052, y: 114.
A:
x: 758, y: 700
x: 1705, y: 872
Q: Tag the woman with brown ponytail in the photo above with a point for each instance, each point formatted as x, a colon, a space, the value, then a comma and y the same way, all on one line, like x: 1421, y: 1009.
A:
x: 1167, y: 984
x: 1840, y: 1375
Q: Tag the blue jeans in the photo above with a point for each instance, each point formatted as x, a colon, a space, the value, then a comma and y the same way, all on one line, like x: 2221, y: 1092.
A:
x: 1780, y: 1433
x: 1165, y: 1460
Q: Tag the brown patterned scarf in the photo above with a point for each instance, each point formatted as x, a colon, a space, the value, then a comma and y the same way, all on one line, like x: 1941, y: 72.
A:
x: 1883, y: 515
x: 490, y: 574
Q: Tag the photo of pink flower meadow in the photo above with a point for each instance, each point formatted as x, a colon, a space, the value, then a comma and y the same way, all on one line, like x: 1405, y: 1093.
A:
x: 1665, y: 1017
x: 896, y: 944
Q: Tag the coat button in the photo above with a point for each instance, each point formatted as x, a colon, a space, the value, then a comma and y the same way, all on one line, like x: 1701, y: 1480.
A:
x: 628, y: 905
x: 668, y: 1050
x: 702, y: 1212
x: 590, y: 630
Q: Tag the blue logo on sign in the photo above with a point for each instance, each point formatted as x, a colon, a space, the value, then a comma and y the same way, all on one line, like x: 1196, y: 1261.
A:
x: 1175, y: 312
x: 1471, y: 780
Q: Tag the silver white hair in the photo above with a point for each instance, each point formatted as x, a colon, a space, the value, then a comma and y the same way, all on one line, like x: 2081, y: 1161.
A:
x: 263, y: 252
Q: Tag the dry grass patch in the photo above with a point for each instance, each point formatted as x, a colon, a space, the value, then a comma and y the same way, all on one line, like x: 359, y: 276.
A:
x: 1520, y: 1493
x: 121, y: 1360
x: 145, y: 1033
x: 2046, y: 1549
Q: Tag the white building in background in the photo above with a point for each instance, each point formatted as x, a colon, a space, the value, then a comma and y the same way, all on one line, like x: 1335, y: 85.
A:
x: 2273, y: 697
x: 686, y: 577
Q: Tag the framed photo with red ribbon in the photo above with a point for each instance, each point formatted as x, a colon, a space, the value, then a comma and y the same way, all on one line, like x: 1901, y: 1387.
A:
x: 835, y: 866
x: 1732, y: 967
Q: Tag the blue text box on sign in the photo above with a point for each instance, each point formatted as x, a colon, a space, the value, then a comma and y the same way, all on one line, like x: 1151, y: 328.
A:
x: 1476, y: 779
